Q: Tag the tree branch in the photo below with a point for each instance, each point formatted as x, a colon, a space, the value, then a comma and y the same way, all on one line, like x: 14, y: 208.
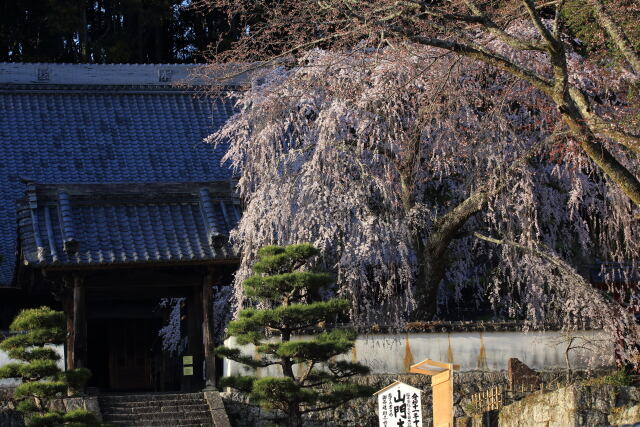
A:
x: 552, y: 42
x: 551, y: 258
x: 480, y: 53
x: 617, y: 35
x: 502, y: 35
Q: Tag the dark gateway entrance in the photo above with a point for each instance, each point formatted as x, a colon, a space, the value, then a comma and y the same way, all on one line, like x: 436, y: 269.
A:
x: 123, y: 317
x: 114, y: 253
x: 126, y: 355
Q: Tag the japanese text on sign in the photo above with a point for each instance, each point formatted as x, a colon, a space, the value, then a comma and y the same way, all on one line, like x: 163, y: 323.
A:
x: 399, y: 406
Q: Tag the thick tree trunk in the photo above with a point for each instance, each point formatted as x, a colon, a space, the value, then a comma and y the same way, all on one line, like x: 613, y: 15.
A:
x: 574, y: 110
x: 433, y: 262
x: 595, y: 149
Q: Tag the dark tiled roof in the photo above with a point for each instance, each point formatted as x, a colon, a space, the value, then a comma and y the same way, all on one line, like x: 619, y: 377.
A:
x: 119, y: 225
x: 59, y: 134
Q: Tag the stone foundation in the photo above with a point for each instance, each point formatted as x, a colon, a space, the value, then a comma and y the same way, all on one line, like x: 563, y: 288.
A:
x: 574, y: 406
x: 363, y: 412
x: 9, y: 417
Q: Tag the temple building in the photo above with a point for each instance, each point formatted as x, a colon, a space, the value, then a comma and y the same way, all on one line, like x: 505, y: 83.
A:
x: 116, y: 211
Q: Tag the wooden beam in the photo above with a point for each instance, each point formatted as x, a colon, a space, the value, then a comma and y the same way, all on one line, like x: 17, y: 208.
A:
x: 194, y: 332
x: 79, y: 323
x: 232, y: 259
x: 68, y: 311
x: 415, y: 370
x: 432, y: 364
x: 207, y: 333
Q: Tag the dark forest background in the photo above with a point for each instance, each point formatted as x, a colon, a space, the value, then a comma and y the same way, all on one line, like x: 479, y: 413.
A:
x: 111, y: 31
x: 173, y: 31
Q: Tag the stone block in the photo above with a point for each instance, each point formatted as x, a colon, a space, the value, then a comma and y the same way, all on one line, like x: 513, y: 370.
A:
x: 217, y: 409
x: 521, y: 377
x: 87, y: 403
x: 625, y: 415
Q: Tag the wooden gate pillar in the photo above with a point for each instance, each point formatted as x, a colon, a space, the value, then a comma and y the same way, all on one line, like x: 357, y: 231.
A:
x: 193, y: 381
x: 207, y: 333
x: 75, y: 309
x: 68, y: 311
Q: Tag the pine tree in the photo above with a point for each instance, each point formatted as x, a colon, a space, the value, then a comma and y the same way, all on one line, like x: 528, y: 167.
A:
x: 320, y: 381
x: 41, y: 378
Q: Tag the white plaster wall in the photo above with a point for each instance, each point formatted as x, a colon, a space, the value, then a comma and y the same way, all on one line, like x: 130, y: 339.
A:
x: 489, y: 351
x: 4, y: 359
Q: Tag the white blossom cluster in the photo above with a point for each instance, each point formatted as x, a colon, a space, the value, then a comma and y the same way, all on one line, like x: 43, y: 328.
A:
x: 367, y: 154
x: 171, y: 333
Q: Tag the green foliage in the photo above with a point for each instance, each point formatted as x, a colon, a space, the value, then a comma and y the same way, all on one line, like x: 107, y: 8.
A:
x: 271, y: 287
x: 77, y: 378
x: 278, y: 392
x: 39, y: 369
x: 40, y: 389
x: 38, y: 318
x: 278, y: 259
x: 321, y: 381
x: 80, y: 418
x: 580, y: 20
x: 250, y: 326
x: 38, y: 353
x: 48, y: 419
x: 10, y: 370
x: 41, y: 379
x: 619, y: 378
x: 27, y: 406
x: 324, y: 347
x: 242, y: 383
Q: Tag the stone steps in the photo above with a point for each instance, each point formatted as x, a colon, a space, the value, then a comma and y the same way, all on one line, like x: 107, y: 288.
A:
x: 176, y: 409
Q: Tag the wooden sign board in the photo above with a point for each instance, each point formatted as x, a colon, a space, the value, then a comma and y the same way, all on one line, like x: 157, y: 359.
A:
x: 187, y: 360
x: 441, y: 387
x: 187, y: 370
x: 399, y: 404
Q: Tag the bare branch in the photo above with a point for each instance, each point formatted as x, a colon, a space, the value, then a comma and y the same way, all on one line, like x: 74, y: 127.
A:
x: 482, y: 54
x: 493, y: 28
x: 552, y: 42
x: 557, y: 19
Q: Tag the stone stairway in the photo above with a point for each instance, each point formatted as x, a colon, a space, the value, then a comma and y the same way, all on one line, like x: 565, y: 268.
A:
x: 155, y: 409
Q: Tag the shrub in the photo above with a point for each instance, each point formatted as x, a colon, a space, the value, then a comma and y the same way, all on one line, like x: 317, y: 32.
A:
x: 41, y: 378
x: 323, y: 384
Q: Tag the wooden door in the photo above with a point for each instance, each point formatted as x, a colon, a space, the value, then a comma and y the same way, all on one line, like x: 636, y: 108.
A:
x: 130, y: 354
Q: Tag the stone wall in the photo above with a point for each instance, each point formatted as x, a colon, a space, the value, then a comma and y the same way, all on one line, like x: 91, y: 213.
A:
x: 576, y: 405
x: 9, y: 417
x: 363, y: 412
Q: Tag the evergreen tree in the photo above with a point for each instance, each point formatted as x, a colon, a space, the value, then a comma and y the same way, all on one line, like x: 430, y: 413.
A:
x: 41, y: 378
x: 320, y: 381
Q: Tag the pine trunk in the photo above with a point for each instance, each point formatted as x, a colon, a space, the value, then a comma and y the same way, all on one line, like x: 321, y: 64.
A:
x: 294, y: 416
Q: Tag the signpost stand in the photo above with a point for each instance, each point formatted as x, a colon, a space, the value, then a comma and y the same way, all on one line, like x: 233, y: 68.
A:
x: 441, y: 387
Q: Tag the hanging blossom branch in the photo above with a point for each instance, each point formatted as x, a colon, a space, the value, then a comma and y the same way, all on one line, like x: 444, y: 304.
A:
x: 614, y: 318
x: 497, y: 35
x: 364, y: 155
